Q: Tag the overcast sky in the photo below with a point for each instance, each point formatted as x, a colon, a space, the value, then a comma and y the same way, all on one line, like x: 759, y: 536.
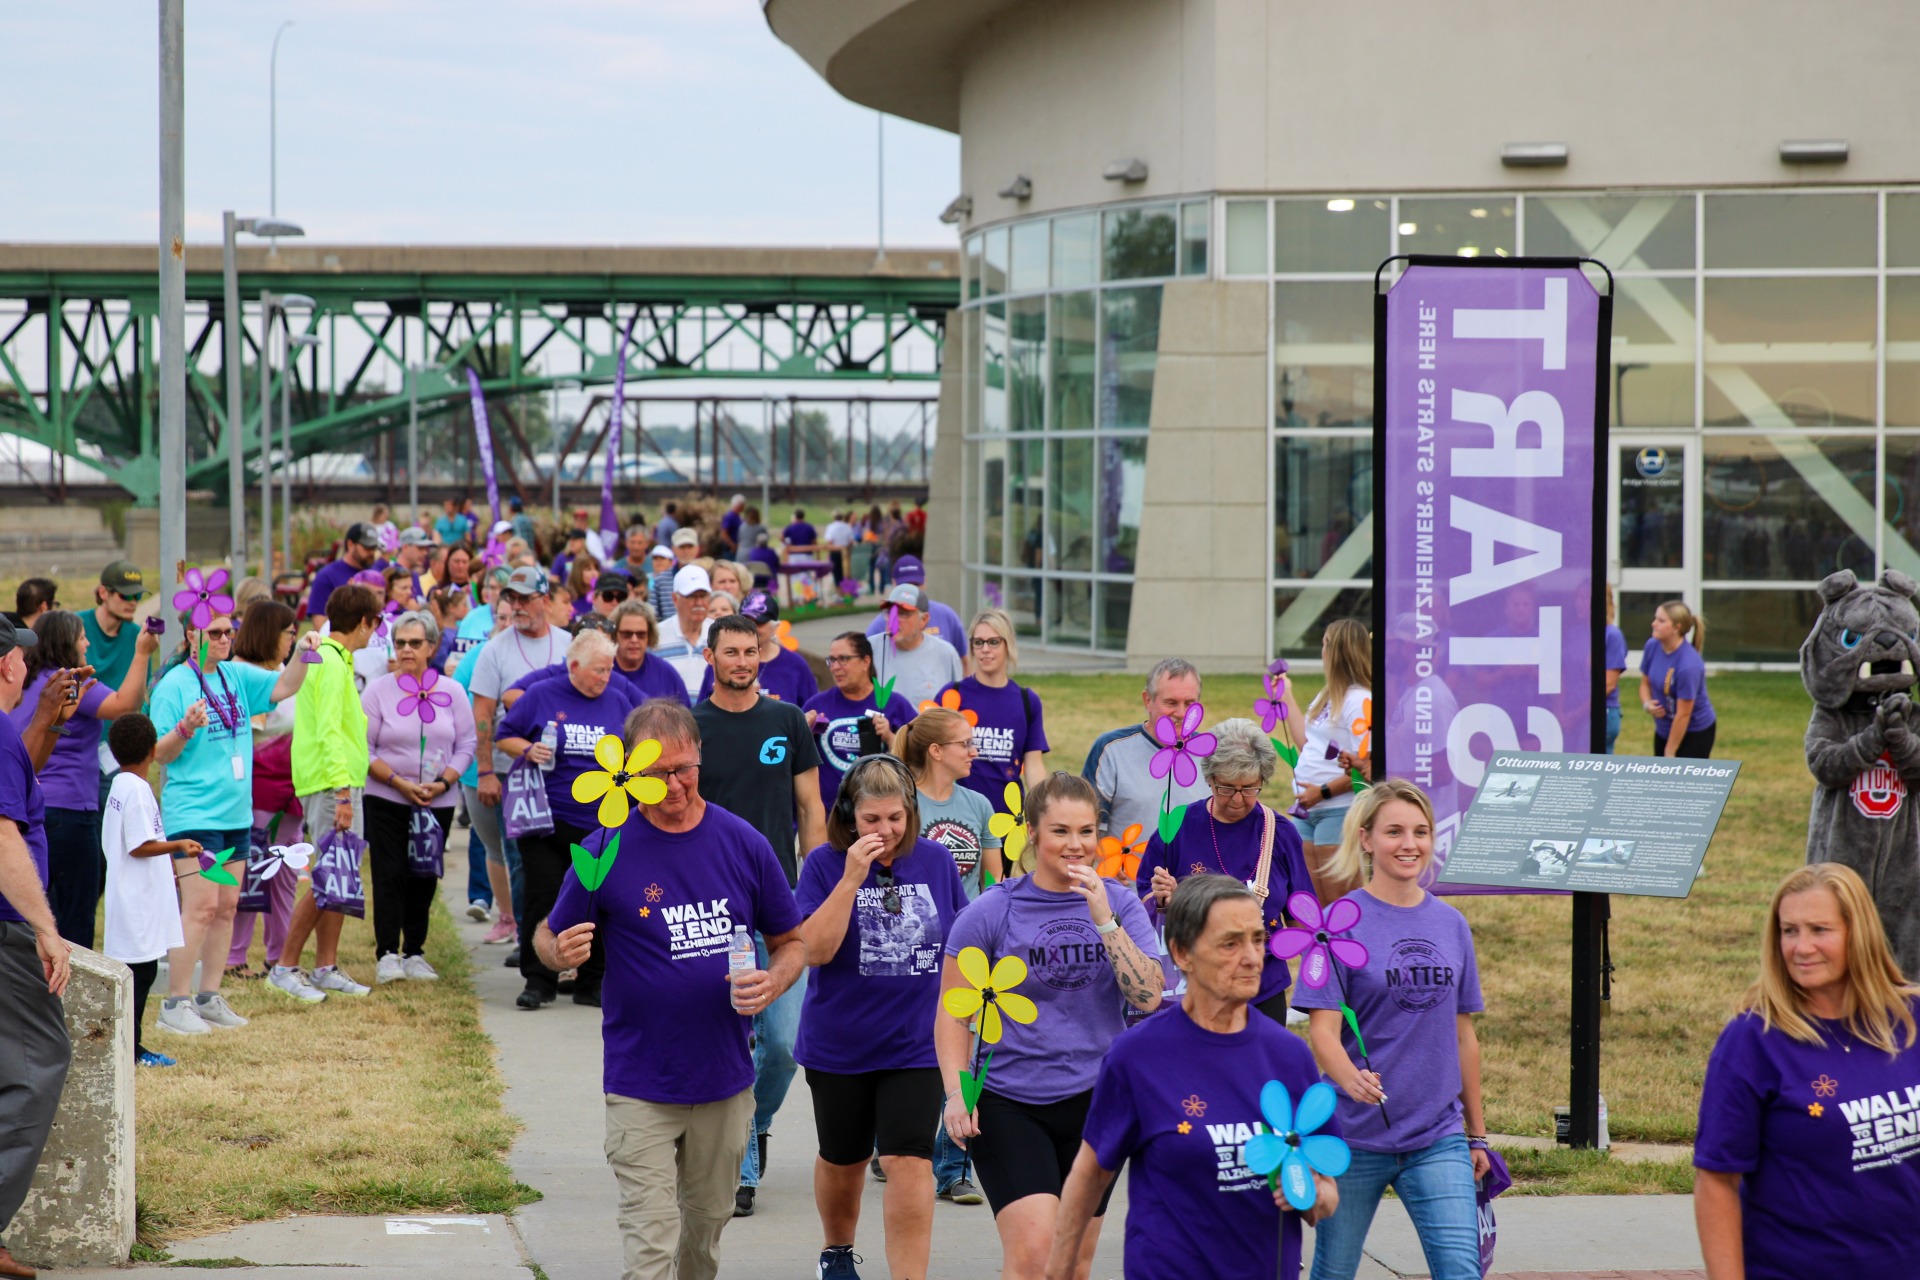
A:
x: 442, y: 121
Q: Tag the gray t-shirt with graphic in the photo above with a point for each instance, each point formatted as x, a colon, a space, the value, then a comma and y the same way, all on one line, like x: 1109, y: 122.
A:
x: 960, y: 823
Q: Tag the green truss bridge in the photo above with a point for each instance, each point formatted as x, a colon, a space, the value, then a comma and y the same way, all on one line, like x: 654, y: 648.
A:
x: 79, y: 368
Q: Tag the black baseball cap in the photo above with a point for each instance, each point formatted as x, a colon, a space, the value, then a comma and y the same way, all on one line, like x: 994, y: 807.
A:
x: 15, y: 637
x: 364, y: 534
x: 761, y: 606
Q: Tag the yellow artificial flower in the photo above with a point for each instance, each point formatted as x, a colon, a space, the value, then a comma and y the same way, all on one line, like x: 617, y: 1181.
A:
x: 990, y: 994
x: 1011, y: 827
x: 611, y: 784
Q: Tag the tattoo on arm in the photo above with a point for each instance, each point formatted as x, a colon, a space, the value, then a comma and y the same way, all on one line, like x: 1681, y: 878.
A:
x: 1139, y: 978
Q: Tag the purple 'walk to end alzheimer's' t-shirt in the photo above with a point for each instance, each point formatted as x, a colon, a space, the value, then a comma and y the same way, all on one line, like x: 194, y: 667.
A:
x: 667, y: 912
x: 1009, y: 725
x: 837, y: 731
x: 1069, y: 976
x: 1419, y: 977
x: 871, y: 1007
x: 581, y: 722
x: 1826, y: 1140
x: 1178, y: 1102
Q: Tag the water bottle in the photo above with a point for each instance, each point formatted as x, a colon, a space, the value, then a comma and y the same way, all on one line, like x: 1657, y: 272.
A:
x: 550, y: 739
x: 740, y: 960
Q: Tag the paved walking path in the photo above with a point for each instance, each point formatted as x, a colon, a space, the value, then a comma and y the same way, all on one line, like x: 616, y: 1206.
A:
x: 551, y: 1062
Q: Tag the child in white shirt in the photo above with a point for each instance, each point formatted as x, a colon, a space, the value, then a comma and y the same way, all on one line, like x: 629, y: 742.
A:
x: 143, y: 911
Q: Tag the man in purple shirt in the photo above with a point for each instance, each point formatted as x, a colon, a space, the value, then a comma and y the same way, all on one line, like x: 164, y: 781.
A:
x: 689, y: 879
x: 33, y: 961
x: 359, y: 551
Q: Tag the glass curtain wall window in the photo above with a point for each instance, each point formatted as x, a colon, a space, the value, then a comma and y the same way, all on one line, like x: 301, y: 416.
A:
x: 1064, y: 315
x: 1766, y: 352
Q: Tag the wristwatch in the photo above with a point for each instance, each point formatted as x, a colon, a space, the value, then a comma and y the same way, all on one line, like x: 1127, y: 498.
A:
x: 1104, y: 929
x: 1326, y: 792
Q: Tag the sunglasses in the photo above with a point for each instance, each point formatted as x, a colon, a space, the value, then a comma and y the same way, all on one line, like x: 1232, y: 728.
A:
x: 630, y: 634
x: 890, y: 899
x: 216, y: 633
x: 410, y: 644
x: 612, y: 593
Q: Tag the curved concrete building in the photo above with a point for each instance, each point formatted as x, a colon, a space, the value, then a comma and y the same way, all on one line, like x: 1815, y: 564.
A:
x: 1157, y: 406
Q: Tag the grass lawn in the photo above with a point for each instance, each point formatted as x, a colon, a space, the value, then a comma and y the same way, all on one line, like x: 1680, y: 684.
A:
x: 387, y: 1104
x: 1679, y: 964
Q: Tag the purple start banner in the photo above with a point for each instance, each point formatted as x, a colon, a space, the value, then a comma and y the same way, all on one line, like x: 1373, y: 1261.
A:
x: 1488, y: 454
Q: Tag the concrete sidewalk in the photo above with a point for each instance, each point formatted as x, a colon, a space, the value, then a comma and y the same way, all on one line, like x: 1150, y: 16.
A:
x: 551, y: 1061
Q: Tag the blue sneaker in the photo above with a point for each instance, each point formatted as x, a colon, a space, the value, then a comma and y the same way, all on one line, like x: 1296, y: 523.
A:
x: 148, y: 1058
x: 836, y: 1263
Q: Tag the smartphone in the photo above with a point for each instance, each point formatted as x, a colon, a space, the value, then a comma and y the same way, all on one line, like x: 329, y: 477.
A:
x: 157, y: 626
x: 870, y: 738
x: 73, y: 690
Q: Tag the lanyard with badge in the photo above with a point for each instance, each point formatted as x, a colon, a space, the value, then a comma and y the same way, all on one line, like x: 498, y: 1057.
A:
x: 227, y: 712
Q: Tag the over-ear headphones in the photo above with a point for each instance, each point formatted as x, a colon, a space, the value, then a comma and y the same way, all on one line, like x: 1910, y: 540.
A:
x: 843, y: 802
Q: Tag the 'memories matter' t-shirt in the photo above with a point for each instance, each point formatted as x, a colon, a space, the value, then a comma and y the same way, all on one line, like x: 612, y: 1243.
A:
x: 1177, y: 1102
x: 1069, y: 976
x: 1419, y: 977
x: 871, y: 1007
x: 1826, y: 1140
x: 667, y: 912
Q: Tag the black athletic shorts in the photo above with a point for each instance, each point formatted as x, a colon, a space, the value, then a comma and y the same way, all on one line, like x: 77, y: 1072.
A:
x: 1027, y: 1148
x: 893, y: 1113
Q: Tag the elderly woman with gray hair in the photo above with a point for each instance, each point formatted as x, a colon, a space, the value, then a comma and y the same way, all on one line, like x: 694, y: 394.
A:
x: 1189, y: 1196
x: 1233, y: 834
x: 420, y: 739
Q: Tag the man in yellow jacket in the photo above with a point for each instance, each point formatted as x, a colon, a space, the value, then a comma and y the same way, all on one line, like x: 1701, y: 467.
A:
x: 329, y: 772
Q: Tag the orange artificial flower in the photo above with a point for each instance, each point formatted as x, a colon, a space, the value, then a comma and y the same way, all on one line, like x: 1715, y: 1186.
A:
x: 950, y: 701
x: 1120, y: 859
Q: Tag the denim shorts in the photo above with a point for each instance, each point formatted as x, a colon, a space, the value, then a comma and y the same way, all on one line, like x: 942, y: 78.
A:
x: 1323, y: 822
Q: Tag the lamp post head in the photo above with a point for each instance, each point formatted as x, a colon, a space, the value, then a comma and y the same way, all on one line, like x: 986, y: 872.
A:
x: 270, y: 227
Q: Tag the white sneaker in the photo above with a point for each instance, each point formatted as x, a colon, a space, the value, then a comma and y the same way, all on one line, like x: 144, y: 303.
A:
x: 418, y: 968
x: 1297, y: 1017
x: 390, y: 969
x: 478, y: 911
x: 336, y: 979
x: 295, y: 984
x: 181, y: 1019
x: 215, y: 1012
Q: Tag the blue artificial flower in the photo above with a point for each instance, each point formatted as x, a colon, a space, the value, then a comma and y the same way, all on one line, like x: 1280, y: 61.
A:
x: 1293, y: 1150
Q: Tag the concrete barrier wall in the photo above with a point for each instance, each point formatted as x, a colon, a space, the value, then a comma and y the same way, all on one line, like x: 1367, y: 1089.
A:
x: 80, y: 1210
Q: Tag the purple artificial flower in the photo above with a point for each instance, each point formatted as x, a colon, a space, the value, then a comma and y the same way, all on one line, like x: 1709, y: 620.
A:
x: 849, y: 588
x: 991, y: 590
x: 422, y: 697
x: 1180, y: 747
x: 1317, y: 939
x: 893, y: 619
x: 204, y: 595
x: 1271, y: 709
x: 393, y: 610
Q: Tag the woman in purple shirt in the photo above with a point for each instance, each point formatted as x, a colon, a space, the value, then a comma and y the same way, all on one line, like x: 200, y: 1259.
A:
x: 1412, y: 1001
x: 70, y: 781
x: 1806, y: 1115
x: 878, y: 903
x: 415, y: 766
x: 1088, y: 953
x: 1673, y: 683
x: 1009, y: 731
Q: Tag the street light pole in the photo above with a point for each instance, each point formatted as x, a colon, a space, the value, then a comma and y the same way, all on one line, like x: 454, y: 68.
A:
x: 266, y: 435
x: 172, y: 336
x: 292, y: 342
x: 273, y: 129
x: 236, y: 404
x: 413, y: 443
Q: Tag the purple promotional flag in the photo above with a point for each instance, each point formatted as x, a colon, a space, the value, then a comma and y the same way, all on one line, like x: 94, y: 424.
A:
x: 609, y: 518
x: 1487, y: 576
x: 483, y: 434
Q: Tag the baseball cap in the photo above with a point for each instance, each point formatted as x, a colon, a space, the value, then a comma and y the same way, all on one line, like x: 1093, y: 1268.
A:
x: 761, y: 606
x: 501, y: 526
x: 909, y: 569
x: 686, y: 538
x: 15, y: 637
x: 364, y: 534
x: 661, y: 549
x: 415, y: 538
x: 908, y: 596
x: 576, y: 533
x: 691, y: 578
x: 528, y: 580
x: 123, y: 577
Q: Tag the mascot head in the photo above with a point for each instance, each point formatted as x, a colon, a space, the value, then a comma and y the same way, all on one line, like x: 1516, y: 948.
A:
x: 1865, y: 641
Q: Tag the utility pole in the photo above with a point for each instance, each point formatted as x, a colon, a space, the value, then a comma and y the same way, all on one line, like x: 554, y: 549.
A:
x: 413, y: 440
x: 172, y: 337
x: 880, y: 124
x: 273, y: 131
x: 236, y: 406
x: 266, y: 435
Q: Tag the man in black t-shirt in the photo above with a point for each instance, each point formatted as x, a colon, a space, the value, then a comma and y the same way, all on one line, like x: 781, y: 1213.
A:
x: 757, y: 761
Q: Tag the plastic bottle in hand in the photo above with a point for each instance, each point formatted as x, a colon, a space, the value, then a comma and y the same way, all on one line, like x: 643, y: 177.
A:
x: 550, y: 739
x: 740, y: 960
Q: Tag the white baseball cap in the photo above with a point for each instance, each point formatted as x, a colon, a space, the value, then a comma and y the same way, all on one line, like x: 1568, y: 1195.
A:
x: 691, y: 578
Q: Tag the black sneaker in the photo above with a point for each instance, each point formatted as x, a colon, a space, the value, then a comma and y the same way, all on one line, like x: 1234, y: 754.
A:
x: 743, y: 1202
x: 533, y: 998
x: 873, y: 1167
x: 961, y: 1192
x: 836, y: 1263
x: 512, y: 961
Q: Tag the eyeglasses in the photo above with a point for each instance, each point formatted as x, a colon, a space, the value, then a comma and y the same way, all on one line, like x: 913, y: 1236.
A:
x: 1228, y: 793
x: 890, y: 900
x: 410, y: 644
x: 684, y: 773
x: 641, y: 634
x: 217, y: 633
x: 956, y: 744
x: 841, y: 659
x: 989, y: 642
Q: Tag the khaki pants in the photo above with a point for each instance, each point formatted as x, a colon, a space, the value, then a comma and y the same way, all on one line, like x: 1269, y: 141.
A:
x: 677, y: 1168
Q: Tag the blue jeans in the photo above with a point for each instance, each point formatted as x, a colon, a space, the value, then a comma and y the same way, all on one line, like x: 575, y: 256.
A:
x: 949, y: 1160
x: 1613, y: 727
x: 1434, y: 1183
x: 773, y: 1031
x: 479, y: 887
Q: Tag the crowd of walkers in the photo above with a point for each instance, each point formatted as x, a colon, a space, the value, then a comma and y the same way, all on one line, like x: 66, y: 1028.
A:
x: 874, y: 880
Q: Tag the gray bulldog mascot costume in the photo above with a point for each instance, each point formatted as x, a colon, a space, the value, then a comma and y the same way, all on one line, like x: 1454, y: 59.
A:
x: 1863, y: 744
